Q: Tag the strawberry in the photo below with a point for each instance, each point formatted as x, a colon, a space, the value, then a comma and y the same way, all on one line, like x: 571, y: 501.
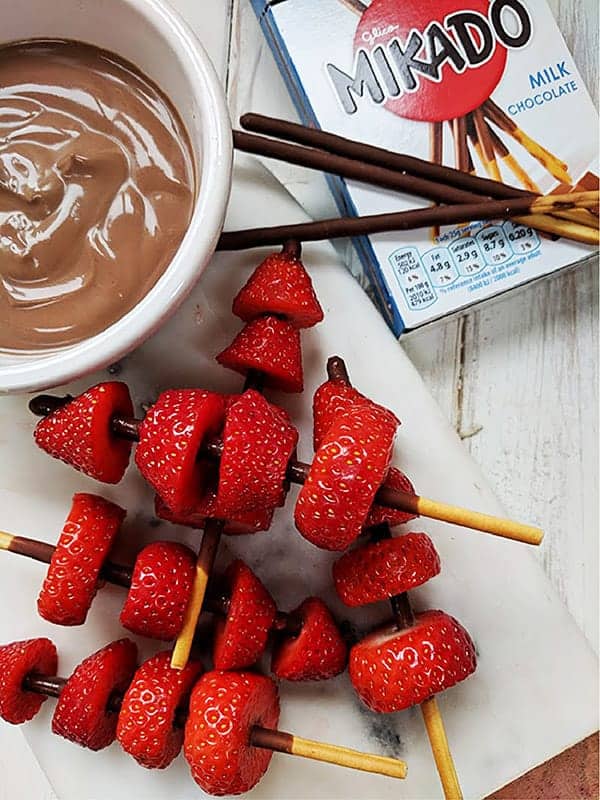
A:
x: 83, y: 713
x: 241, y: 638
x: 170, y: 437
x: 147, y: 727
x: 317, y: 652
x: 80, y: 433
x: 392, y: 670
x: 17, y: 661
x: 332, y: 398
x: 279, y: 285
x: 160, y: 590
x: 271, y: 346
x: 245, y: 523
x: 392, y: 516
x: 224, y: 707
x: 379, y: 570
x: 345, y: 475
x: 258, y: 442
x: 72, y: 579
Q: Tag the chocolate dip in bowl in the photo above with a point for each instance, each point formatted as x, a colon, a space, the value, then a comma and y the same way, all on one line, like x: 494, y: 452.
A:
x: 115, y: 166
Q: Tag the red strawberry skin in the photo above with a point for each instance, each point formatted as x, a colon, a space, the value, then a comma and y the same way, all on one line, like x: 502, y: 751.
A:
x: 17, y: 661
x: 224, y: 707
x: 345, y: 474
x: 82, y: 714
x: 147, y: 727
x: 271, y: 346
x: 392, y: 670
x: 331, y: 399
x: 170, y: 437
x: 160, y: 590
x: 71, y: 582
x: 377, y: 571
x: 258, y: 442
x: 317, y: 653
x: 392, y: 516
x: 244, y: 523
x: 279, y: 285
x: 80, y: 432
x: 241, y: 638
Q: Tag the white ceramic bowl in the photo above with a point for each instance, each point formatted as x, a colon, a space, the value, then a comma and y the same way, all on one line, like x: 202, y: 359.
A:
x: 152, y: 36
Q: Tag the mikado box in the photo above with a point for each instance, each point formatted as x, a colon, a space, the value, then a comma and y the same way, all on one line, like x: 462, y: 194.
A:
x: 487, y: 87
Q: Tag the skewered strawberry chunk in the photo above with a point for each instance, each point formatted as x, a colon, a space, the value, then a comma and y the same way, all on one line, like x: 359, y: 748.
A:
x: 331, y: 399
x: 148, y: 728
x: 258, y: 442
x: 243, y: 523
x: 344, y: 477
x: 224, y: 707
x: 392, y: 670
x: 83, y: 713
x: 160, y: 590
x: 241, y: 638
x: 379, y: 570
x: 171, y: 435
x: 72, y: 579
x: 271, y: 346
x: 279, y: 285
x: 80, y: 434
x: 17, y: 661
x: 380, y: 514
x: 318, y: 652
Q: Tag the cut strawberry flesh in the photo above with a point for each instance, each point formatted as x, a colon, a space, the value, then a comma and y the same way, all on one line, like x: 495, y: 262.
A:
x: 80, y: 432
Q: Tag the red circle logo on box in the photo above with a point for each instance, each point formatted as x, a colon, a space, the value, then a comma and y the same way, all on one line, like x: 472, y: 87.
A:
x: 437, y: 59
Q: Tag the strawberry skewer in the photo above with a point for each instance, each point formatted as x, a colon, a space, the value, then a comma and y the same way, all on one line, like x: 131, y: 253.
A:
x: 297, y: 471
x: 229, y: 719
x: 308, y: 644
x: 426, y: 566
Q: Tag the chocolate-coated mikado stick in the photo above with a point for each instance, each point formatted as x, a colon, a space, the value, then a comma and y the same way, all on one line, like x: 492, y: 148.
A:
x: 120, y: 575
x: 297, y: 472
x: 404, y: 618
x: 266, y: 738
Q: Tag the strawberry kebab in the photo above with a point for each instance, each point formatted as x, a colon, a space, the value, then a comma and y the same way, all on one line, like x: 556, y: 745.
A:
x: 225, y: 721
x: 307, y: 642
x: 231, y: 458
x: 415, y: 656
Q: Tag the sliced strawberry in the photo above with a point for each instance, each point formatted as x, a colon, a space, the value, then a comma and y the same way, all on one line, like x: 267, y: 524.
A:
x: 80, y: 433
x: 148, y: 728
x: 170, y: 437
x: 72, y: 579
x: 258, y: 442
x: 317, y: 653
x: 377, y: 571
x: 279, y: 285
x: 271, y: 346
x: 17, y: 661
x: 224, y: 707
x: 392, y: 670
x: 331, y: 399
x: 246, y: 523
x: 160, y: 590
x: 84, y: 713
x: 241, y: 638
x: 345, y: 475
x: 385, y: 514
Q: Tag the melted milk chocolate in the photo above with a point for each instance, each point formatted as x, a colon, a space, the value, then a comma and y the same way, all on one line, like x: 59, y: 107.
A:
x: 96, y: 191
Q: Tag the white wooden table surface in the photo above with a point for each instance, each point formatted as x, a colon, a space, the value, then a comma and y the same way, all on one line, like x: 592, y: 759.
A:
x: 518, y: 379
